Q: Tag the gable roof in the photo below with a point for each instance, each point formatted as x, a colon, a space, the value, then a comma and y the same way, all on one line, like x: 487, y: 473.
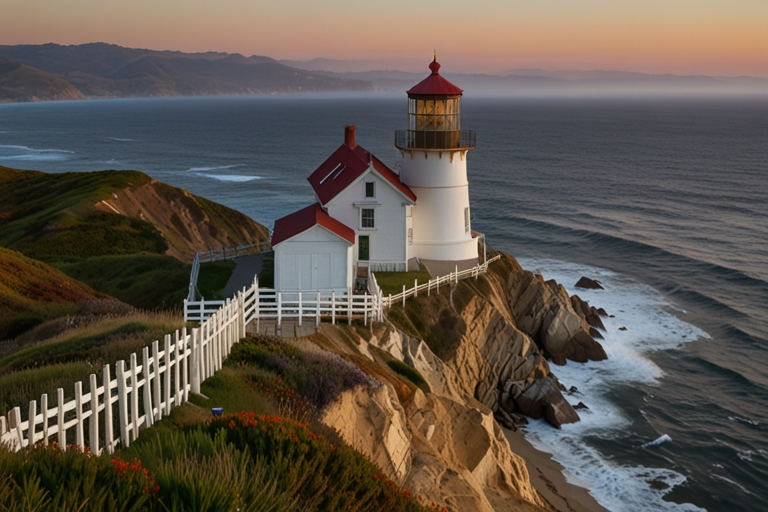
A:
x: 300, y: 221
x: 434, y: 84
x: 345, y: 165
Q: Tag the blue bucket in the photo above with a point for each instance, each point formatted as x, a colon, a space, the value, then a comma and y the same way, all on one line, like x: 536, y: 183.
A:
x: 217, y: 411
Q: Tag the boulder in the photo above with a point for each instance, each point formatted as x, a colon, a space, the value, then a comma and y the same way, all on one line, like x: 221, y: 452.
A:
x: 589, y: 284
x: 544, y: 399
x: 590, y: 314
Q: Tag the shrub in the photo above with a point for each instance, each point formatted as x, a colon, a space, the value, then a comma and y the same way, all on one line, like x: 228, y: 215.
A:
x: 409, y: 373
x: 48, y: 479
x: 318, y: 377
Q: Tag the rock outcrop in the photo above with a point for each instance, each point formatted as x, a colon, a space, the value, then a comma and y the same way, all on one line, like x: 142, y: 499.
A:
x: 589, y: 284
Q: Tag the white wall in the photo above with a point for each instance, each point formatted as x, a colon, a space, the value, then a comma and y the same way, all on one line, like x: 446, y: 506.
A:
x: 314, y: 260
x: 388, y: 243
x: 440, y: 184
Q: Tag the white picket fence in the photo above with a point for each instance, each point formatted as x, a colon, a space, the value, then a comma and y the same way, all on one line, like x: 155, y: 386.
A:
x: 277, y: 305
x: 113, y: 410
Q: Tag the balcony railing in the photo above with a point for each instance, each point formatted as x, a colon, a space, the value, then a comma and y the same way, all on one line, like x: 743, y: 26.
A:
x: 435, y: 141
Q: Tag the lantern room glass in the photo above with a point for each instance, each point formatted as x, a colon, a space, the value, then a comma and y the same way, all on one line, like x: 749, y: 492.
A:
x: 434, y: 114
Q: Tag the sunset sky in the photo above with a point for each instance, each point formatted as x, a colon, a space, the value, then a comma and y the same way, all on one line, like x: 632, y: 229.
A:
x: 714, y: 37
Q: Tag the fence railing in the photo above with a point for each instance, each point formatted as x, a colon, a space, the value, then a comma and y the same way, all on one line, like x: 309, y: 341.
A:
x: 225, y: 253
x: 112, y: 410
x: 436, y: 283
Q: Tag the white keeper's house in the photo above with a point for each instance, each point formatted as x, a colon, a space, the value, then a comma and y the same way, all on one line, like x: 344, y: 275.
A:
x: 367, y: 218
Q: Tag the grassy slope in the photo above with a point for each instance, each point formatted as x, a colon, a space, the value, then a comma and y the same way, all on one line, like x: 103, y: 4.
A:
x: 52, y: 217
x: 32, y: 292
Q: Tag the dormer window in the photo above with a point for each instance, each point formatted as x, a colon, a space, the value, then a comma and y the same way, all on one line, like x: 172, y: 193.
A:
x: 370, y: 189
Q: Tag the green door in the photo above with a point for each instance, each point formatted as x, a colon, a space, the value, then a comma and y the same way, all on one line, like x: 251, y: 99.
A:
x: 362, y: 248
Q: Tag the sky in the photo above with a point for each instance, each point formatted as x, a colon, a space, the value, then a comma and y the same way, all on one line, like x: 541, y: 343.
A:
x: 712, y: 37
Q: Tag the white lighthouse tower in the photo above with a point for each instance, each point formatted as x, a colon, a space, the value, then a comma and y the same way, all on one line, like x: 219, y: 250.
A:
x: 434, y: 149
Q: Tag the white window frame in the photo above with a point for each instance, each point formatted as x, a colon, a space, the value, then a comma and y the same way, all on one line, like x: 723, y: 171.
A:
x: 373, y: 219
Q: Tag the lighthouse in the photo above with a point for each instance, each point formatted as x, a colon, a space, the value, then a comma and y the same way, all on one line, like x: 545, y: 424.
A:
x: 434, y: 149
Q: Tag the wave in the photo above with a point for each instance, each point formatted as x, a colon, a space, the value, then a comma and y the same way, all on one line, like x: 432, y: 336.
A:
x: 236, y: 178
x: 744, y: 420
x: 120, y: 139
x: 735, y: 484
x: 214, y: 168
x: 663, y: 439
x: 650, y: 326
x: 32, y: 153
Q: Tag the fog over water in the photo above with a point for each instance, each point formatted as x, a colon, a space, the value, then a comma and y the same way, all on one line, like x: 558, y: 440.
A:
x: 661, y: 198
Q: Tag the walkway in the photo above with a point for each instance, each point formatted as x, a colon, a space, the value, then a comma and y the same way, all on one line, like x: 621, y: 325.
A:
x: 242, y: 277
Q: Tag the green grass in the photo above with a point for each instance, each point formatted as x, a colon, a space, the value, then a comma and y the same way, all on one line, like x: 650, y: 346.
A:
x: 409, y: 373
x: 144, y: 281
x: 392, y: 282
x: 214, y: 277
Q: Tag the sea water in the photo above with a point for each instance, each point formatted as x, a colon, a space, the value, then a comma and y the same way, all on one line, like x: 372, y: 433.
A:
x: 662, y: 199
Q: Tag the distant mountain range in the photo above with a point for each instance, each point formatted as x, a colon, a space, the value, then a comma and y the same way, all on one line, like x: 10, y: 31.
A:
x: 539, y: 81
x: 100, y: 70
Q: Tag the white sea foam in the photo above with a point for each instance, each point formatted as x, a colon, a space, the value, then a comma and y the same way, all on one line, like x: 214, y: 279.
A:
x: 214, y: 168
x: 24, y: 153
x: 120, y: 139
x: 663, y: 439
x: 649, y: 327
x: 237, y: 178
x: 744, y: 420
x: 735, y: 484
x: 745, y: 456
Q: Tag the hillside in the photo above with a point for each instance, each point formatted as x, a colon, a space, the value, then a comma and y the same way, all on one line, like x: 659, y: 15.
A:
x: 100, y: 70
x: 19, y: 82
x: 119, y: 232
x: 32, y: 292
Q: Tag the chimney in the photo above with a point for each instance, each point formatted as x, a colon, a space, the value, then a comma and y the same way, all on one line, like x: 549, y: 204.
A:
x: 349, y: 136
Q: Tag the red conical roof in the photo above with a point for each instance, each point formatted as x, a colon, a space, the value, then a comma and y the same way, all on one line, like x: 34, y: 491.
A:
x: 434, y: 84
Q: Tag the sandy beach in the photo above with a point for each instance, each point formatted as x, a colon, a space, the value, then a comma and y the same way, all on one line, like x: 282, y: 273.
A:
x: 547, y: 478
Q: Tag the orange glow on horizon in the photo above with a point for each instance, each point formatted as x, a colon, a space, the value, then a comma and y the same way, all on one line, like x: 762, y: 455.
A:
x: 714, y: 37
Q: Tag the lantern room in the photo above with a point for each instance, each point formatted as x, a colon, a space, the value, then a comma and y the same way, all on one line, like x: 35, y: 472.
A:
x: 434, y: 116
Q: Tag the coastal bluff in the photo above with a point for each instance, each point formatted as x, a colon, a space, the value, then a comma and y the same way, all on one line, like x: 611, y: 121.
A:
x: 482, y: 347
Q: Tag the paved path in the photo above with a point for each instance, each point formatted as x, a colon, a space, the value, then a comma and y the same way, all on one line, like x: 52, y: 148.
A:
x: 246, y: 267
x: 289, y: 329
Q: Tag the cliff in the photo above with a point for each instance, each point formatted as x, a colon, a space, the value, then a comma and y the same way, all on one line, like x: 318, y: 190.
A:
x: 481, y: 346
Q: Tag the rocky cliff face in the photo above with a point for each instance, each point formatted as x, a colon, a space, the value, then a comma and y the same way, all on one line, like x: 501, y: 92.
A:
x: 482, y: 347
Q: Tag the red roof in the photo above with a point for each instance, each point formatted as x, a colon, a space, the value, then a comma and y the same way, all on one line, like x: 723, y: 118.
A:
x: 300, y: 221
x: 435, y: 85
x: 347, y: 164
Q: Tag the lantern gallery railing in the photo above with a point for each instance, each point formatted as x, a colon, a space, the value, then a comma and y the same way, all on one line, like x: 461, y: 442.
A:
x: 435, y: 140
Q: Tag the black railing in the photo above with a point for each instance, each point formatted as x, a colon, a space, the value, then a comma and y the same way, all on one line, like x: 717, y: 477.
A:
x: 417, y: 139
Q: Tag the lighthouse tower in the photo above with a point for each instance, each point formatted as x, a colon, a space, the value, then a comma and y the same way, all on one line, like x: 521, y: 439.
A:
x: 434, y: 149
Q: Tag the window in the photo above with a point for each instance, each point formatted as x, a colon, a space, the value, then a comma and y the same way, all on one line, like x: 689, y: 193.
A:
x: 466, y: 219
x: 367, y: 218
x: 370, y: 189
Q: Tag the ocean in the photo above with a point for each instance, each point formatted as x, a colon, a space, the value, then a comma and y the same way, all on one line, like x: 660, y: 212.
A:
x: 662, y: 199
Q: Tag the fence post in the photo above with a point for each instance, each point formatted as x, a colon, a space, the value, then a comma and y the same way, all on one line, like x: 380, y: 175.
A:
x: 93, y: 424
x: 14, y: 418
x: 79, y: 437
x: 186, y: 316
x: 279, y: 310
x: 349, y: 306
x: 456, y: 274
x: 148, y: 410
x: 156, y: 380
x: 62, y: 435
x: 167, y: 374
x: 185, y: 365
x: 31, y: 429
x: 122, y: 404
x: 381, y: 305
x: 415, y: 288
x: 3, y: 426
x: 195, y: 361
x: 317, y: 311
x: 176, y: 364
x: 403, y: 296
x: 108, y: 432
x: 134, y: 397
x: 333, y: 307
x: 300, y: 309
x: 44, y: 410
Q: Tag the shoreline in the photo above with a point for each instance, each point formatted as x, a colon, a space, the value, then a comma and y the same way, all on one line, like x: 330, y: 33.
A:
x: 548, y: 479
